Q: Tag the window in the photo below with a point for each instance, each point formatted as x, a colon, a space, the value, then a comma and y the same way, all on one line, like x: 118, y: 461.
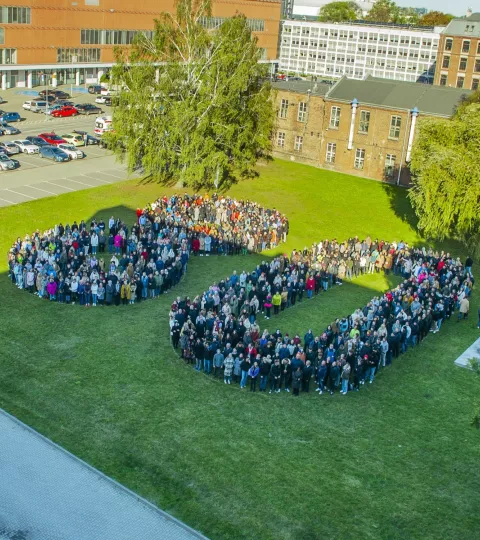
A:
x: 8, y: 56
x: 443, y: 80
x: 364, y: 121
x: 284, y: 108
x: 331, y: 151
x: 14, y: 15
x: 359, y: 158
x: 395, y: 123
x: 475, y: 84
x: 281, y: 139
x: 335, y: 117
x: 463, y: 64
x: 298, y: 143
x: 210, y: 23
x: 111, y: 37
x: 2, y: 36
x: 446, y: 62
x: 448, y: 44
x: 389, y: 165
x: 460, y: 81
x: 477, y: 65
x: 465, y: 46
x: 302, y: 112
x: 78, y: 55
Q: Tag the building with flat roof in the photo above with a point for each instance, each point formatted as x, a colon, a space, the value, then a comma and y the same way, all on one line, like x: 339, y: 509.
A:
x: 311, y: 8
x: 362, y: 127
x: 66, y: 42
x: 357, y: 50
x: 459, y: 54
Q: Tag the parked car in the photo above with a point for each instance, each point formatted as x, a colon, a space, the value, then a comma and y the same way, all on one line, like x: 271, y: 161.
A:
x: 95, y: 89
x: 90, y: 138
x: 52, y: 138
x: 10, y: 117
x: 49, y: 110
x: 54, y: 153
x: 88, y: 108
x: 105, y: 100
x: 38, y: 106
x: 57, y: 94
x: 64, y: 103
x: 6, y: 164
x: 27, y: 105
x: 48, y: 98
x: 7, y: 129
x: 74, y: 138
x: 10, y: 148
x: 71, y: 151
x: 38, y: 141
x: 63, y: 112
x: 26, y: 146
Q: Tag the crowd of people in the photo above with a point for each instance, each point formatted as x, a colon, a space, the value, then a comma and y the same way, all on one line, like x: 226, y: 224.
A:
x: 219, y: 330
x: 110, y: 263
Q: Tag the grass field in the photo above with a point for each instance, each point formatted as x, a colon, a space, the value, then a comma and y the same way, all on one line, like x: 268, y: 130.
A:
x: 396, y: 460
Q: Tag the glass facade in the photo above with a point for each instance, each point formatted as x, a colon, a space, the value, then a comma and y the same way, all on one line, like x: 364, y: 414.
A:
x: 210, y: 23
x: 111, y: 37
x: 78, y: 55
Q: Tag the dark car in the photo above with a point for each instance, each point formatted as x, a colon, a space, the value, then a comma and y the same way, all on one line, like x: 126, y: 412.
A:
x: 90, y: 138
x: 64, y: 103
x: 94, y: 89
x: 50, y: 98
x: 88, y: 108
x: 57, y: 94
x: 10, y: 117
x: 37, y: 140
x: 54, y: 153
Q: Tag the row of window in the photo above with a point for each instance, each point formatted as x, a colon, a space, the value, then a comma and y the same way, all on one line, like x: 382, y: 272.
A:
x: 460, y: 81
x: 111, y: 37
x: 8, y: 56
x: 14, y: 15
x: 359, y: 49
x: 331, y: 152
x: 210, y: 23
x: 462, y: 63
x: 78, y: 55
x: 466, y: 44
x: 334, y: 123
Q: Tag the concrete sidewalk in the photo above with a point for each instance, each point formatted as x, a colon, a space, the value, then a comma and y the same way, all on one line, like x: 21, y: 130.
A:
x: 46, y: 493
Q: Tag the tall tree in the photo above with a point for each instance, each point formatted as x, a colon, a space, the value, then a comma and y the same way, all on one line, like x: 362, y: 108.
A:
x: 446, y: 170
x: 435, y: 18
x: 194, y: 107
x: 339, y: 12
x: 384, y: 11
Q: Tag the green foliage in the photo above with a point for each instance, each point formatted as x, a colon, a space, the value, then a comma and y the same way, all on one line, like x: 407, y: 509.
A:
x: 105, y: 78
x: 385, y: 11
x: 339, y: 12
x: 194, y: 108
x: 446, y: 168
x: 435, y: 18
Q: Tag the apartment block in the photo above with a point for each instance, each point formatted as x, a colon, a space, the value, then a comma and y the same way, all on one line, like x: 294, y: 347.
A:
x: 459, y: 54
x: 362, y: 127
x: 72, y: 42
x: 395, y: 52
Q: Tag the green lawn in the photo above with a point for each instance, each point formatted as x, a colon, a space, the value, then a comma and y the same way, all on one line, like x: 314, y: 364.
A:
x: 397, y: 460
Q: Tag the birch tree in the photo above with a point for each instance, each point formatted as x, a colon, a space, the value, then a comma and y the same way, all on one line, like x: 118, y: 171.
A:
x: 194, y: 107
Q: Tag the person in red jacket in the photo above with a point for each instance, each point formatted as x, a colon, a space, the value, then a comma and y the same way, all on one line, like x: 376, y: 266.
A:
x: 195, y: 245
x: 310, y: 286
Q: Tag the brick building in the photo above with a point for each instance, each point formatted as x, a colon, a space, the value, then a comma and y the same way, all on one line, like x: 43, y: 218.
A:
x: 458, y: 63
x: 73, y: 42
x: 366, y: 128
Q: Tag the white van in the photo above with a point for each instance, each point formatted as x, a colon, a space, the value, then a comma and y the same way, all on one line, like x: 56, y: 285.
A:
x: 38, y: 106
x: 28, y: 105
x: 103, y: 124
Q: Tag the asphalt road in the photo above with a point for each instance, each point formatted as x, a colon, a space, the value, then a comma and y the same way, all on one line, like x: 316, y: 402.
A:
x: 36, y: 178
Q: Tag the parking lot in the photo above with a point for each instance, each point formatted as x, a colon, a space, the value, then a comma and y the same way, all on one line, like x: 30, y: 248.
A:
x: 36, y: 177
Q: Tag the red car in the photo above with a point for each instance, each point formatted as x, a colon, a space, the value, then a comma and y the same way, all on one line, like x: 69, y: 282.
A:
x: 52, y: 138
x: 64, y: 111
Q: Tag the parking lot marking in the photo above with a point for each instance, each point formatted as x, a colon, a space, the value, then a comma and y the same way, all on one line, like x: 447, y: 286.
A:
x: 6, y: 200
x: 82, y: 183
x: 114, y: 175
x: 95, y: 178
x: 59, y: 185
x: 21, y: 194
x: 31, y: 186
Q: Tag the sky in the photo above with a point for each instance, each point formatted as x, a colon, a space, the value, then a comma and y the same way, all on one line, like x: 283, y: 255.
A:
x: 458, y: 8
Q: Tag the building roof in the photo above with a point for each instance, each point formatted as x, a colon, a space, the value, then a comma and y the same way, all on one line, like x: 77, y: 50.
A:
x: 466, y: 27
x: 302, y: 87
x: 433, y: 100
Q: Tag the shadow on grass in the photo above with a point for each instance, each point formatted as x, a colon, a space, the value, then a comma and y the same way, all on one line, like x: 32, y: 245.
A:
x: 400, y: 204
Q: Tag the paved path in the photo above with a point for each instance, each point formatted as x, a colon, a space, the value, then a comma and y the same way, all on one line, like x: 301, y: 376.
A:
x: 46, y: 493
x: 472, y: 352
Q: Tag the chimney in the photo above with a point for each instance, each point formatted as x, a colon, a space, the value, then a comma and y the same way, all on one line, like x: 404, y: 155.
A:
x: 469, y: 11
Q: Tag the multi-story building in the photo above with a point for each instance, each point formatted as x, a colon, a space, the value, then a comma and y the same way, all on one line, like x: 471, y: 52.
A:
x: 366, y: 128
x: 66, y: 42
x: 358, y: 50
x: 310, y: 8
x: 459, y: 54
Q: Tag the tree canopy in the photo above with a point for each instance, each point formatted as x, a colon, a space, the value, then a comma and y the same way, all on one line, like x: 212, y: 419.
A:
x: 339, y: 12
x: 435, y: 18
x: 194, y: 108
x: 385, y: 11
x: 446, y: 176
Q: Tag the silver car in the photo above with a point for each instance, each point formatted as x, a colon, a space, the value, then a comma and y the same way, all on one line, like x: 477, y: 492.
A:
x: 26, y: 147
x: 71, y: 151
x: 6, y: 164
x: 10, y: 148
x: 7, y: 129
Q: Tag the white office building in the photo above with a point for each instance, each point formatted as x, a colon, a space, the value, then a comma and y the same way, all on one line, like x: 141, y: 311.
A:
x: 357, y: 50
